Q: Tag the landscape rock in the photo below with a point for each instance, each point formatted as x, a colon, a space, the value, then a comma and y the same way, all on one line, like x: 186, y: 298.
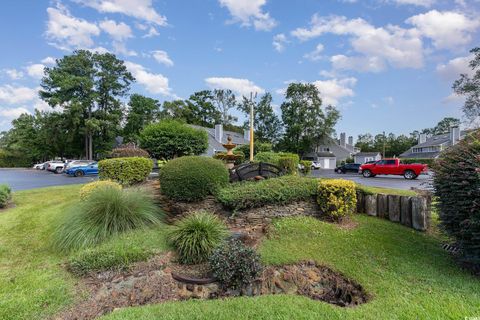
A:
x: 406, y: 211
x: 382, y: 205
x: 420, y: 213
x: 394, y: 205
x: 371, y: 205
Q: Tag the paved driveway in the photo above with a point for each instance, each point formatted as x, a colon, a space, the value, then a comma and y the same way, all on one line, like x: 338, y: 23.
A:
x: 396, y: 182
x: 23, y: 179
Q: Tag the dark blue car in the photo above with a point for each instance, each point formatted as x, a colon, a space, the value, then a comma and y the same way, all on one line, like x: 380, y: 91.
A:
x: 82, y: 170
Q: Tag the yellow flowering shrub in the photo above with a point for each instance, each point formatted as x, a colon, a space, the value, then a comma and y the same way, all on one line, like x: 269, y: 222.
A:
x: 337, y: 198
x: 89, y: 188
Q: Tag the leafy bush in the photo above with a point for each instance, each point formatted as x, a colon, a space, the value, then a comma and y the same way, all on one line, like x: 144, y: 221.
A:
x: 108, y: 211
x: 337, y: 198
x: 283, y: 190
x: 240, y: 156
x: 169, y: 139
x: 287, y: 161
x: 457, y: 187
x: 195, y: 236
x: 307, y: 166
x: 13, y: 159
x: 129, y: 152
x: 257, y: 147
x: 89, y: 188
x: 126, y: 171
x: 235, y: 265
x: 430, y: 162
x: 5, y: 195
x: 192, y: 178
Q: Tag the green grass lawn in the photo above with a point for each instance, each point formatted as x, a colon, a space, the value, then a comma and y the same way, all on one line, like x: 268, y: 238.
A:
x: 408, y: 274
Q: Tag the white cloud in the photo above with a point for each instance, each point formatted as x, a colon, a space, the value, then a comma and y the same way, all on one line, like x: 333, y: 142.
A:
x: 364, y: 64
x: 333, y: 90
x: 15, y: 94
x: 389, y: 100
x: 140, y: 9
x: 12, y: 113
x: 279, y: 42
x: 14, y: 74
x: 447, y: 29
x: 162, y: 57
x: 35, y: 70
x: 153, y: 82
x: 152, y: 32
x: 118, y: 31
x: 240, y: 86
x: 249, y: 12
x: 401, y: 48
x: 67, y: 32
x: 48, y: 61
x: 120, y: 48
x: 421, y: 3
x: 316, y: 54
x: 453, y: 68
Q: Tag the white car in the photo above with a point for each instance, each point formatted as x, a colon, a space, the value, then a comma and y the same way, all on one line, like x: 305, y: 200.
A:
x: 55, y: 166
x: 316, y: 165
x: 39, y: 166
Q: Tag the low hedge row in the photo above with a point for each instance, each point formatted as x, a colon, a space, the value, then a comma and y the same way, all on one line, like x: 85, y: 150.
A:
x: 281, y: 190
x: 126, y: 171
x: 426, y: 161
x: 5, y: 194
x: 287, y: 161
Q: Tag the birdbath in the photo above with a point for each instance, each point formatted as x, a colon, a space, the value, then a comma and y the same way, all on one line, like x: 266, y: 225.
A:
x: 229, y: 157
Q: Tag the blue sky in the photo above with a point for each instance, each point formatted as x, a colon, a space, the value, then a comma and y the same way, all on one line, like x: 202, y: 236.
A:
x: 388, y: 65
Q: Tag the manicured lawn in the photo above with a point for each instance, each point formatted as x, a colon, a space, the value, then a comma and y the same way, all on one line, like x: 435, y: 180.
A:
x: 375, y: 190
x: 408, y: 274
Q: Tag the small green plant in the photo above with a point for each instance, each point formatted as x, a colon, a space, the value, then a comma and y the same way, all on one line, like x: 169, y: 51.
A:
x: 126, y: 171
x: 337, y: 198
x: 92, y: 187
x: 286, y: 161
x: 5, y: 195
x: 192, y: 178
x: 282, y: 190
x: 195, y: 236
x: 235, y: 265
x: 108, y: 211
x: 307, y: 167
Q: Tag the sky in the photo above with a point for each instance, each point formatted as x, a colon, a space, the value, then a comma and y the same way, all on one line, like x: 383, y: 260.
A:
x: 387, y: 65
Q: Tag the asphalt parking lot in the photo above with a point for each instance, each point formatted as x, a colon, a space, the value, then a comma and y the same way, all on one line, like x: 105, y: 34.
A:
x: 23, y: 179
x: 396, y: 182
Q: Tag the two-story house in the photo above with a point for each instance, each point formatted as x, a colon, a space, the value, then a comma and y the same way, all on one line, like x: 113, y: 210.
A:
x: 431, y: 147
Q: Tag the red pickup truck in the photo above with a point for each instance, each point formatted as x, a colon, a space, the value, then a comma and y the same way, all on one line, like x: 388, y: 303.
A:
x: 392, y: 167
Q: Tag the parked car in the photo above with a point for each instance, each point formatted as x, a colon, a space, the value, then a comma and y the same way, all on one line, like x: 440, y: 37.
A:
x: 39, y: 166
x: 82, y: 170
x: 348, y: 167
x: 55, y: 166
x: 393, y: 167
x: 77, y: 163
x: 316, y: 165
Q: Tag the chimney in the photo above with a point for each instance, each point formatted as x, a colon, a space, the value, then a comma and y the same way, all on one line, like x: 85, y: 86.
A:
x: 422, y: 138
x: 219, y: 133
x: 342, y: 139
x: 350, y: 140
x: 454, y: 135
x: 246, y: 134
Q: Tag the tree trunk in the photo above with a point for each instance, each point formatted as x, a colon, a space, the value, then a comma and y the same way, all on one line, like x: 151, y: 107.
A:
x: 90, y: 146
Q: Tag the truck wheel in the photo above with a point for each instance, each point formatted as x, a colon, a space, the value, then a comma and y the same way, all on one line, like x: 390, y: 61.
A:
x: 367, y: 173
x: 78, y: 173
x: 409, y: 175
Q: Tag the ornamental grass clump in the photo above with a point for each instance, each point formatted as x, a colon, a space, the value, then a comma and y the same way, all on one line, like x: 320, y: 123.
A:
x: 5, y: 195
x: 337, y: 198
x: 107, y: 212
x: 457, y: 189
x: 92, y: 187
x: 235, y: 265
x: 196, y: 236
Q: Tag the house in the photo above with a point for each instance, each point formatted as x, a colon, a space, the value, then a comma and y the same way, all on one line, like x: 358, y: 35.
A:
x: 329, y: 151
x: 431, y: 147
x: 363, y: 157
x: 217, y: 136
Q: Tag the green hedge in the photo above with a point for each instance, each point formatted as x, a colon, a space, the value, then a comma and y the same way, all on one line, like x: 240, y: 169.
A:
x: 427, y: 161
x: 129, y: 152
x: 5, y: 195
x: 281, y: 190
x: 287, y: 161
x: 126, y: 171
x: 192, y: 178
x: 13, y: 159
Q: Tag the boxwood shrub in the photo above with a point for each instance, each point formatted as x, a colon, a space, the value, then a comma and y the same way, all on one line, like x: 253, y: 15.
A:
x: 126, y: 171
x: 5, y: 194
x: 192, y: 178
x: 281, y: 190
x: 129, y: 152
x: 337, y: 198
x: 287, y: 161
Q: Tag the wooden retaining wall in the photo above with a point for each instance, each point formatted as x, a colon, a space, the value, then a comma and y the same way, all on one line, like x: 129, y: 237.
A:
x: 412, y: 212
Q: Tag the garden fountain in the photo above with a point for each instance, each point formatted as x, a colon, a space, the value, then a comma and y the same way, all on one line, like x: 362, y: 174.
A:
x: 229, y: 157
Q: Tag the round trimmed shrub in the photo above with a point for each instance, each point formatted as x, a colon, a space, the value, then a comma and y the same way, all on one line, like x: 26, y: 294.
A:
x: 235, y: 265
x: 457, y: 188
x: 92, y: 187
x: 192, y: 178
x: 108, y: 211
x: 195, y: 236
x: 337, y: 198
x: 126, y: 171
x: 129, y: 152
